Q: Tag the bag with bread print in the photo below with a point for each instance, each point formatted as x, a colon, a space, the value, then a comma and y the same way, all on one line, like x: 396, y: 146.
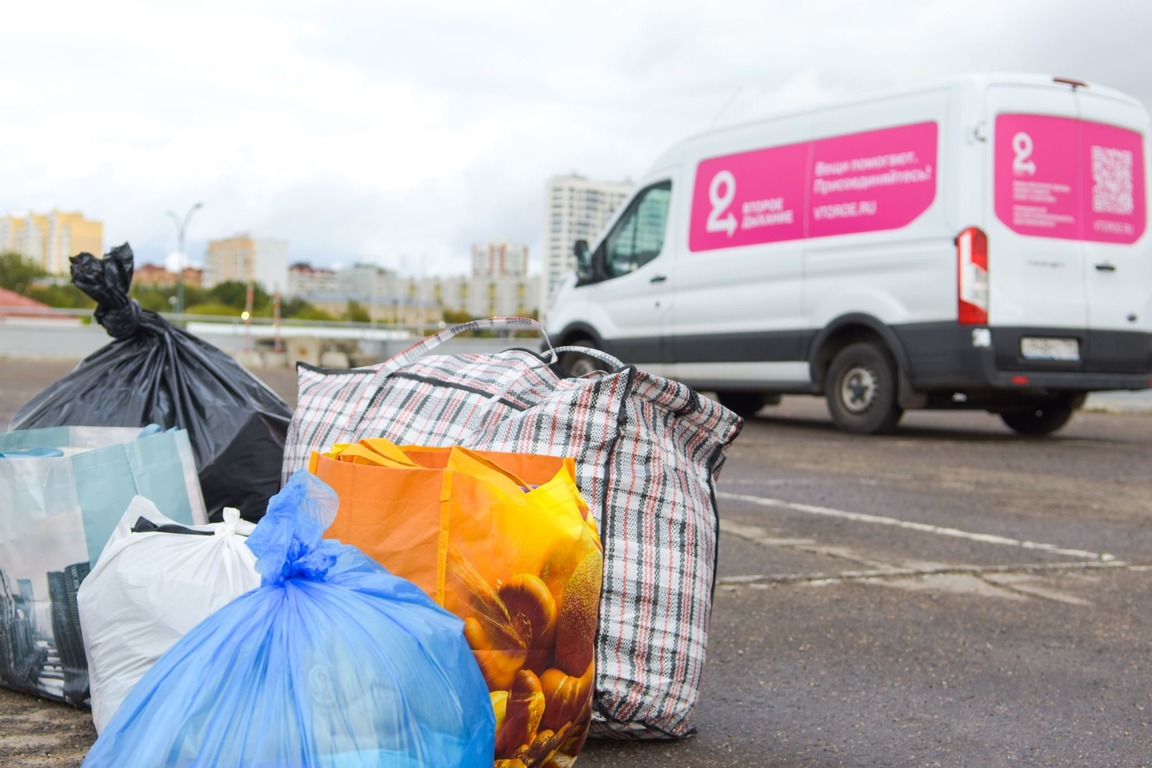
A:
x: 504, y: 541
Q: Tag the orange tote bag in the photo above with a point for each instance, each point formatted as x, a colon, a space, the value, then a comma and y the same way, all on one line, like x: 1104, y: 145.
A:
x: 504, y: 541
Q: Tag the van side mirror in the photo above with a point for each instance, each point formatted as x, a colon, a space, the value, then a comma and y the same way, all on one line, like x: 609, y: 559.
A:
x: 583, y: 260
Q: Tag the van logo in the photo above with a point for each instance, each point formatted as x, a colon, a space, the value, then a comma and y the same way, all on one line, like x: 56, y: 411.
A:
x: 1022, y: 165
x: 721, y: 193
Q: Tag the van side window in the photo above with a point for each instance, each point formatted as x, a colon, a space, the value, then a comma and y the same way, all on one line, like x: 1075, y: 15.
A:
x: 638, y: 236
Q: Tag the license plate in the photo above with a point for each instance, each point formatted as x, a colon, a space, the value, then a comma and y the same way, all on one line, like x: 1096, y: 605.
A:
x: 1034, y: 348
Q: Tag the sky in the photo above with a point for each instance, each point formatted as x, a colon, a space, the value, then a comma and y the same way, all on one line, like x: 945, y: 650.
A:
x: 399, y: 134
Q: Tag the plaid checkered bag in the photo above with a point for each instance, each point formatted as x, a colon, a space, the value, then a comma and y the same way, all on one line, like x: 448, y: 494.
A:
x: 647, y: 452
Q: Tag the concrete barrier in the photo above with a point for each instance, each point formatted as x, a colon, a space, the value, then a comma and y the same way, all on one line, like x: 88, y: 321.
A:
x: 51, y: 341
x: 335, y: 359
x: 305, y: 349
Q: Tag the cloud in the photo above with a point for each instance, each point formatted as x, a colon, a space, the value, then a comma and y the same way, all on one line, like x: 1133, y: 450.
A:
x: 362, y: 130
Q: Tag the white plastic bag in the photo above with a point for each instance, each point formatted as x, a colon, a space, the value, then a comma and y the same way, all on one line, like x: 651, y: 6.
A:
x: 149, y: 588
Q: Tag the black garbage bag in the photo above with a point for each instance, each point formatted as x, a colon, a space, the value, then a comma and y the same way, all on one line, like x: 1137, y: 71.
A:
x: 157, y: 373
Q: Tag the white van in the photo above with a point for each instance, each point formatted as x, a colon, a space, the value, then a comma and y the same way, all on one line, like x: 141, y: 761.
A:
x: 979, y: 243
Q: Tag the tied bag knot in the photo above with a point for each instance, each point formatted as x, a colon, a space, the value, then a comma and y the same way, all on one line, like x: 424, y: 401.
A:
x: 106, y: 281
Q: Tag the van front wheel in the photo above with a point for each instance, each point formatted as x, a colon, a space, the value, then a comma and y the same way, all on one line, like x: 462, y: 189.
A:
x: 575, y: 365
x: 861, y: 390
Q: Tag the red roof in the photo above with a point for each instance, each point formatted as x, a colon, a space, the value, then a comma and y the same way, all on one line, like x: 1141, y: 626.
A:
x: 12, y: 299
x: 13, y: 304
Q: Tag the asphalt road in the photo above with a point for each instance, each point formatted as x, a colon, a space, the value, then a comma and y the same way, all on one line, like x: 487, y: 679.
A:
x: 950, y: 595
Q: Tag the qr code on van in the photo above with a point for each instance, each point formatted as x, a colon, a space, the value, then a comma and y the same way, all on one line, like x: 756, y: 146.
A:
x: 1112, y: 181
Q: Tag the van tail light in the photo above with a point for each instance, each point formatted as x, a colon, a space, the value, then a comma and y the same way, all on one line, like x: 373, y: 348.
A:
x: 972, y: 277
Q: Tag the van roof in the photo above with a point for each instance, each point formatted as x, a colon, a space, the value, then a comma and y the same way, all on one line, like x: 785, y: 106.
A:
x: 975, y: 82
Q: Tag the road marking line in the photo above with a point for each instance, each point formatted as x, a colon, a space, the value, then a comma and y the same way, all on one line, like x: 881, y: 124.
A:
x: 1013, y: 583
x: 897, y: 573
x: 859, y: 517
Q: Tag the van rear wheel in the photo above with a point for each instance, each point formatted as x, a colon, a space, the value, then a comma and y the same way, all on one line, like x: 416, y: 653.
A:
x: 860, y: 388
x: 1042, y: 418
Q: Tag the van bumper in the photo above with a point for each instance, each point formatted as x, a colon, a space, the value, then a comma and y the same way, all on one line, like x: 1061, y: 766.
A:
x: 949, y: 357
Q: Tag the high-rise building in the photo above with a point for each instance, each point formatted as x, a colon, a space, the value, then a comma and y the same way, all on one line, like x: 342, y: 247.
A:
x: 576, y: 209
x: 49, y: 239
x: 63, y: 587
x: 499, y: 258
x: 246, y: 259
x: 26, y: 601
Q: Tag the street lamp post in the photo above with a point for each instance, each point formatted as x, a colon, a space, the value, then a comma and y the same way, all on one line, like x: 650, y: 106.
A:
x: 181, y: 225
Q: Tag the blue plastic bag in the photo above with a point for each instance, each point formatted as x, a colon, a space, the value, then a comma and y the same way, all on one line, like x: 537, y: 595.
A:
x: 332, y: 661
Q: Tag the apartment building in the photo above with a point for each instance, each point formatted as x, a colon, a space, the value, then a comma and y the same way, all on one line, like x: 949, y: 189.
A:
x: 498, y: 286
x: 493, y: 296
x: 50, y: 239
x: 158, y: 277
x: 305, y: 279
x: 576, y: 208
x: 246, y: 259
x: 499, y: 258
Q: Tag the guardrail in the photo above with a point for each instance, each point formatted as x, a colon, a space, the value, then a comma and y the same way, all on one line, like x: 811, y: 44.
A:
x: 65, y: 335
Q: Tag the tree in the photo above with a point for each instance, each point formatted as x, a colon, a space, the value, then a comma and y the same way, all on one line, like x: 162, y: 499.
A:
x: 456, y: 316
x: 357, y: 313
x: 63, y: 295
x: 213, y: 308
x: 299, y: 309
x: 293, y: 306
x: 162, y: 298
x: 234, y: 293
x: 17, y: 273
x: 309, y: 312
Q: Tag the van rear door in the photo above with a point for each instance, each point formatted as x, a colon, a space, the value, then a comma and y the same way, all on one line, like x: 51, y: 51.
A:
x: 1036, y: 261
x: 1068, y: 206
x: 1117, y: 250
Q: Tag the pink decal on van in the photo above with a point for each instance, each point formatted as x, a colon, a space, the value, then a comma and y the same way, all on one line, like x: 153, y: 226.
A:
x: 1114, y: 202
x: 865, y: 182
x: 748, y: 198
x: 1035, y: 188
x: 862, y: 182
x: 1066, y: 178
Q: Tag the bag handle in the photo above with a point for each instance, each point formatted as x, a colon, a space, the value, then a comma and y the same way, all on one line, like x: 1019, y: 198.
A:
x: 144, y: 525
x: 592, y: 352
x: 431, y: 342
x: 394, y: 363
x: 231, y: 520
